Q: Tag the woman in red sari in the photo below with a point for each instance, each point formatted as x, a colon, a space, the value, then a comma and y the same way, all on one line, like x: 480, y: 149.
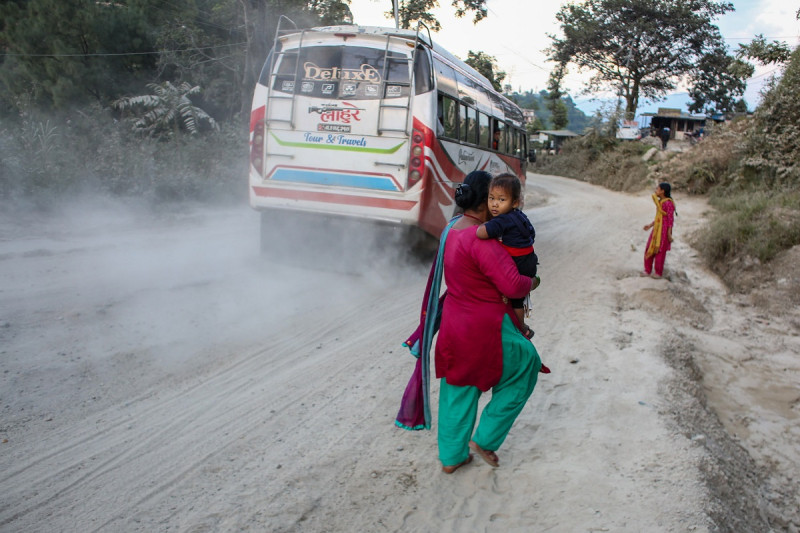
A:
x: 480, y: 345
x: 660, y: 240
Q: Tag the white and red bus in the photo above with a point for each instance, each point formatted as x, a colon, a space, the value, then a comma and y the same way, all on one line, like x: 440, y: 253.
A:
x: 374, y: 123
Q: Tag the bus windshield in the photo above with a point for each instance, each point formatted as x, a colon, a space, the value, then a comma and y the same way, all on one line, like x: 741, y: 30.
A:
x: 352, y: 72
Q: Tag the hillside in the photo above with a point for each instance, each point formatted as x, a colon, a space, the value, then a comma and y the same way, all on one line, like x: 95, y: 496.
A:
x: 578, y: 120
x: 749, y: 171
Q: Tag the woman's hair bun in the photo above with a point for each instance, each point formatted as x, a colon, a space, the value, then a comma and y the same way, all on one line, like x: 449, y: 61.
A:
x: 474, y: 190
x: 465, y: 196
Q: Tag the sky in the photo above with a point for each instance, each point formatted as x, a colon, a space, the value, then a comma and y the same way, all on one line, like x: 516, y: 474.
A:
x: 515, y: 33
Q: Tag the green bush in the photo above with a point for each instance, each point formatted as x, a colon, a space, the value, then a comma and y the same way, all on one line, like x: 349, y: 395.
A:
x: 772, y: 146
x: 48, y: 158
x: 758, y: 225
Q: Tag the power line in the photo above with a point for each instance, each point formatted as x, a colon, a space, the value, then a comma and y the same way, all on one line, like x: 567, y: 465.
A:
x: 753, y: 38
x: 112, y: 54
x: 776, y: 69
x: 524, y: 58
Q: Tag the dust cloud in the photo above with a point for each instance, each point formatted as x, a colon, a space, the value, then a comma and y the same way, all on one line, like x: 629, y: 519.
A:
x: 102, y: 299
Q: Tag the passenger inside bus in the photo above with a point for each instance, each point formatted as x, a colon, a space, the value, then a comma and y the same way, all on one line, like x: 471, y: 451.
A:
x: 499, y: 142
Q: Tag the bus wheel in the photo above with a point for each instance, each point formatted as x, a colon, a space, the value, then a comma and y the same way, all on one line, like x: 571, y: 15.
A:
x: 271, y: 231
x: 421, y: 244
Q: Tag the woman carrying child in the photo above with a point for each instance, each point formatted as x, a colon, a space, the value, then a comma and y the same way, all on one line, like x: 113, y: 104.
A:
x: 480, y: 346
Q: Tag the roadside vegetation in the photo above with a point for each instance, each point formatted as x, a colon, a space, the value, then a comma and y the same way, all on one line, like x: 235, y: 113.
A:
x: 599, y: 159
x: 49, y: 157
x: 749, y: 168
x: 751, y: 172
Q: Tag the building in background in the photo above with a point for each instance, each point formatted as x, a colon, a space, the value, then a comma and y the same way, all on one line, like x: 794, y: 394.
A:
x: 681, y: 125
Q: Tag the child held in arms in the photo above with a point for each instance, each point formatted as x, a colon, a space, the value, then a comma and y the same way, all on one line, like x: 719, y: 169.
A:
x: 515, y: 232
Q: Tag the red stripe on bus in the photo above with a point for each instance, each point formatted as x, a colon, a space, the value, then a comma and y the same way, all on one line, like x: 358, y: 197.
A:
x: 332, y: 198
x: 448, y: 166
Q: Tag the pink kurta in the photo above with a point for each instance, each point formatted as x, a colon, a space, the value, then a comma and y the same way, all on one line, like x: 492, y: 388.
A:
x: 478, y: 273
x: 667, y: 221
x: 656, y: 262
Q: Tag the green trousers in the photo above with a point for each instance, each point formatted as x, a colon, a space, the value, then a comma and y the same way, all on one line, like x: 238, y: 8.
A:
x: 458, y: 406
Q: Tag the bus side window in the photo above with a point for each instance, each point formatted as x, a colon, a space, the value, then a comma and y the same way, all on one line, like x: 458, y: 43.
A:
x: 463, y: 121
x: 524, y: 139
x: 472, y: 125
x: 423, y: 74
x: 484, y: 135
x: 500, y: 137
x: 449, y: 116
x: 514, y: 140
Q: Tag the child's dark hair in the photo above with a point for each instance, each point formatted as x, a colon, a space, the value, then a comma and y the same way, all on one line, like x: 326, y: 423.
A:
x: 667, y: 188
x: 509, y: 183
x: 474, y: 191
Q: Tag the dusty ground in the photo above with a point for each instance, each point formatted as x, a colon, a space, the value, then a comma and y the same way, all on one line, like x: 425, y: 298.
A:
x: 156, y: 374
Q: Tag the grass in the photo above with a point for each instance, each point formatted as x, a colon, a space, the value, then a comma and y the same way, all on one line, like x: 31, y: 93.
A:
x: 615, y: 165
x: 757, y: 224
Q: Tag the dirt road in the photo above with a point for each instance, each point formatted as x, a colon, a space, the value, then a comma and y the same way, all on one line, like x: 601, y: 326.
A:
x: 157, y: 374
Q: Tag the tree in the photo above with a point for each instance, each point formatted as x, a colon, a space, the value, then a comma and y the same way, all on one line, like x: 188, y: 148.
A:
x: 260, y: 19
x: 98, y: 51
x: 721, y: 78
x: 331, y: 12
x: 772, y: 146
x: 557, y: 107
x: 412, y: 11
x: 637, y: 48
x: 167, y: 111
x: 201, y: 43
x: 486, y: 65
x: 535, y: 126
x: 540, y: 101
x: 765, y: 53
x: 719, y: 82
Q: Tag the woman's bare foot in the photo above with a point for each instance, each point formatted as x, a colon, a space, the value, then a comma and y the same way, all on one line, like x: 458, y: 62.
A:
x: 452, y: 468
x: 487, y: 455
x: 527, y: 331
